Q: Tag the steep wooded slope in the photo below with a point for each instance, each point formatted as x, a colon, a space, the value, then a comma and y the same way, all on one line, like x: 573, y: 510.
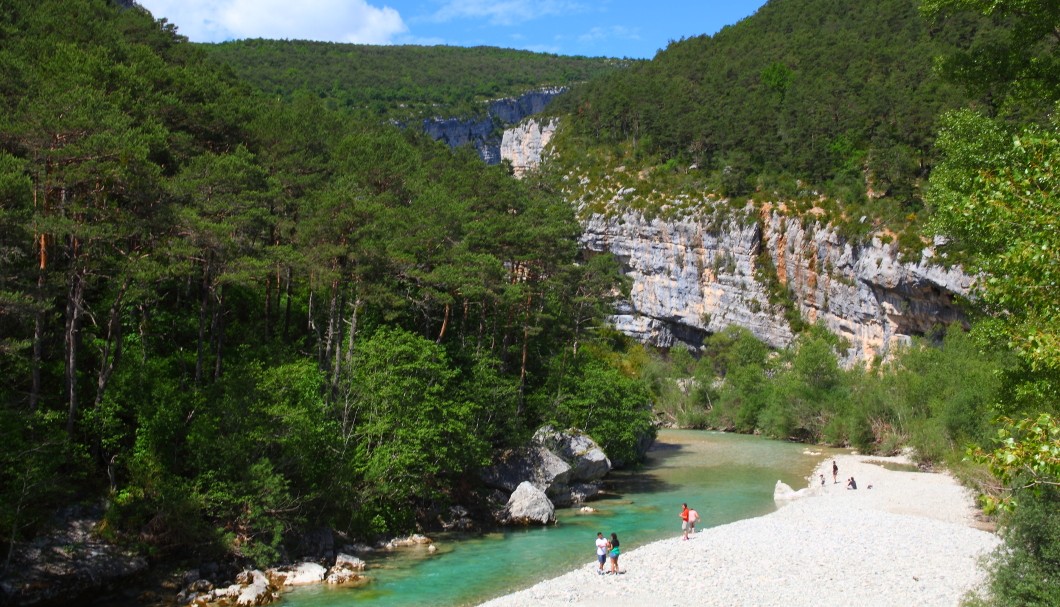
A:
x: 403, y: 81
x: 837, y: 94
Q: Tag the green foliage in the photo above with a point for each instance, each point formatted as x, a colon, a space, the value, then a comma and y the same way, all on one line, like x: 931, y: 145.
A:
x: 592, y: 394
x: 1027, y: 460
x: 233, y: 316
x: 402, y: 82
x: 843, y: 98
x: 933, y: 396
x: 1026, y: 568
x: 994, y: 197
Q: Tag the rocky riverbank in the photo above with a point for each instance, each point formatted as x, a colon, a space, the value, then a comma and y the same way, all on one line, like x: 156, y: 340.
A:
x: 914, y: 538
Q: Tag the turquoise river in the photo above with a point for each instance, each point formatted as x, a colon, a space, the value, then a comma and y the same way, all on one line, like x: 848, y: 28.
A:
x: 725, y: 477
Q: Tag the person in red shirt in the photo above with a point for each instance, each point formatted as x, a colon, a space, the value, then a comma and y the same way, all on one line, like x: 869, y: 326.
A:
x: 684, y: 521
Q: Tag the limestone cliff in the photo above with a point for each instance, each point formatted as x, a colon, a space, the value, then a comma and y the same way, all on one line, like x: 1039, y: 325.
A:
x: 695, y: 274
x: 522, y: 145
x: 484, y: 133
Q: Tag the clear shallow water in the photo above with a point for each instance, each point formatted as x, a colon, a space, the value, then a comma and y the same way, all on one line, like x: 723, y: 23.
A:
x: 725, y: 477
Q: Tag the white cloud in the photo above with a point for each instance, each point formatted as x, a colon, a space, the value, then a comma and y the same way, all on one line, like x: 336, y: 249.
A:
x: 328, y: 20
x: 505, y: 12
x: 613, y: 32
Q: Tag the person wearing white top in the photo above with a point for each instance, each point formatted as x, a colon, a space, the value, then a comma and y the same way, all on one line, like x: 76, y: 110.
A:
x: 602, y: 546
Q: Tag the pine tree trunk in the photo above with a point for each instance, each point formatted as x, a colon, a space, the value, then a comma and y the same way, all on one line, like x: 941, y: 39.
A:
x: 75, y: 307
x: 287, y: 305
x: 200, y: 346
x: 111, y: 345
x: 38, y: 339
x: 219, y: 333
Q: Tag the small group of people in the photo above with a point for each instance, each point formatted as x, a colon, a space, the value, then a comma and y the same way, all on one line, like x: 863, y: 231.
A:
x: 689, y: 518
x: 605, y: 549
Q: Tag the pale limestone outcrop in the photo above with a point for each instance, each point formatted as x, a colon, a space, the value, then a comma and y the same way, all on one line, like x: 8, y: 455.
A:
x: 300, y: 574
x: 694, y: 275
x: 480, y: 132
x: 567, y: 466
x: 523, y: 145
x: 529, y: 505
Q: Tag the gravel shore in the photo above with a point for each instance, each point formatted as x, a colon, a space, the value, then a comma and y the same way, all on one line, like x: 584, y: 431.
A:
x: 912, y: 539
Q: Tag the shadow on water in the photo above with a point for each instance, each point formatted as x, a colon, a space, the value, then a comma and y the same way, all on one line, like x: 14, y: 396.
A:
x: 725, y: 477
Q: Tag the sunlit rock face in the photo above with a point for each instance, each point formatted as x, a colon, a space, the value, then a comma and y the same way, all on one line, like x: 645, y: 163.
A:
x: 485, y: 133
x: 522, y: 145
x: 693, y: 277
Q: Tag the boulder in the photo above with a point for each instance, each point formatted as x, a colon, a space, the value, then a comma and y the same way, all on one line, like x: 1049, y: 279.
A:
x: 302, y: 574
x: 587, y: 460
x: 535, y: 464
x: 252, y: 588
x: 529, y: 505
x: 345, y: 577
x: 415, y: 539
x: 566, y: 466
x: 459, y: 519
x: 347, y: 562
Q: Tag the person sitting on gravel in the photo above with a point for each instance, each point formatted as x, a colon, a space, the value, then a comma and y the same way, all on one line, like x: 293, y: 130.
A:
x: 851, y: 484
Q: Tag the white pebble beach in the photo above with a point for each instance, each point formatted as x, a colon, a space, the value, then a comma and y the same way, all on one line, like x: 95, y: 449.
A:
x: 912, y: 539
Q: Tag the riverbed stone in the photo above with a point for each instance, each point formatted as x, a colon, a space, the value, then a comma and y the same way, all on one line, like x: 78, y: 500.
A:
x: 565, y: 465
x: 253, y: 589
x: 529, y: 505
x: 301, y: 574
x: 350, y: 562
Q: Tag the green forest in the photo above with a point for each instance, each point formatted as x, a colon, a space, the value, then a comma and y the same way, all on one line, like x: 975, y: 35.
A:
x: 236, y: 302
x: 237, y: 317
x: 403, y: 82
x: 808, y: 97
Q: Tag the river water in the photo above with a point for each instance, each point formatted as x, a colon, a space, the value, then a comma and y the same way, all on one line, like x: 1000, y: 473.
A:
x: 725, y: 477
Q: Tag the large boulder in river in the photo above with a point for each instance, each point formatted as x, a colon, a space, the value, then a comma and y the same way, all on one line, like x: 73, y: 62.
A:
x: 529, y: 505
x: 553, y: 462
x: 588, y: 461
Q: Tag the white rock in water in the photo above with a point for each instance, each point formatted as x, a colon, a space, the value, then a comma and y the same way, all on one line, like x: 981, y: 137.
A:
x: 528, y: 504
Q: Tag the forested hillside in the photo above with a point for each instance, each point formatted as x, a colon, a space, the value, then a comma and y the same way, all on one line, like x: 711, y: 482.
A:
x: 828, y: 95
x: 403, y: 82
x: 230, y: 316
x: 235, y: 316
x: 936, y: 119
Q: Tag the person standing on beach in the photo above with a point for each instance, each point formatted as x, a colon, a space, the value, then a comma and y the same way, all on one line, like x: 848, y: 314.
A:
x: 835, y: 471
x: 693, y: 518
x: 602, y: 548
x: 614, y: 554
x: 684, y: 521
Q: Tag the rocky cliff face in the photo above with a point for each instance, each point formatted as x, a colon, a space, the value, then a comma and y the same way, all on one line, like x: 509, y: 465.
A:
x: 484, y: 133
x: 694, y: 275
x: 522, y: 145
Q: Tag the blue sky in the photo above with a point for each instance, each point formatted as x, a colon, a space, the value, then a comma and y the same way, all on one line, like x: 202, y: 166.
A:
x: 612, y: 28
